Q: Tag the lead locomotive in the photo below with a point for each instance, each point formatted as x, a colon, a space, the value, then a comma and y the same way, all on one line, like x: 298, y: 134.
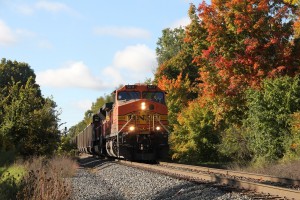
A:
x: 133, y: 127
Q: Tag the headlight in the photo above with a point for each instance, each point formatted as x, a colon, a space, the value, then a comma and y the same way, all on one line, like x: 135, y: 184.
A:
x: 131, y: 128
x: 158, y: 128
x: 143, y: 106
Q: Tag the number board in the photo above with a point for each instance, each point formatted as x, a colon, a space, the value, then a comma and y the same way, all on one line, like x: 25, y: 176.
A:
x: 130, y: 86
x: 151, y: 86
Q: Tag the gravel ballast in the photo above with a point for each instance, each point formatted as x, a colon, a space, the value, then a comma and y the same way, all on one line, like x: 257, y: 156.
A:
x: 110, y: 180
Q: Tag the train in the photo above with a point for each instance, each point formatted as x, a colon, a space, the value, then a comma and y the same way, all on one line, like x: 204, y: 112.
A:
x: 133, y: 127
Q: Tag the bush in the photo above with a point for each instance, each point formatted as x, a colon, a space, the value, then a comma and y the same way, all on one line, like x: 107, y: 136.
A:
x: 10, y: 181
x: 234, y: 145
x: 195, y: 138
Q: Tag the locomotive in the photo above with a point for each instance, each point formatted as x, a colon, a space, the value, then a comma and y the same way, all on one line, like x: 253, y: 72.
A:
x: 133, y: 127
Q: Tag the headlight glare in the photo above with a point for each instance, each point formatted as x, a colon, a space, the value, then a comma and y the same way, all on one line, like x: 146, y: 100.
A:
x: 131, y: 128
x: 143, y: 106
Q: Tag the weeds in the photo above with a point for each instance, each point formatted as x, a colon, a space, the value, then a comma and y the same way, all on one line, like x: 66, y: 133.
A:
x: 285, y: 170
x: 46, y: 179
x: 38, y: 178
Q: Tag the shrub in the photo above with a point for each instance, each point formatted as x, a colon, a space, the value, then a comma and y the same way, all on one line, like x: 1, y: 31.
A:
x: 195, y: 138
x: 10, y: 181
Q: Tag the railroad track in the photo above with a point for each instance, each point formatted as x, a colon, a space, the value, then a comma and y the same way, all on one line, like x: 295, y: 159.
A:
x: 260, y: 185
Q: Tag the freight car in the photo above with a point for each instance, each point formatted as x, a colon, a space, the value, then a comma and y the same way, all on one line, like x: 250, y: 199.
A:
x: 133, y: 127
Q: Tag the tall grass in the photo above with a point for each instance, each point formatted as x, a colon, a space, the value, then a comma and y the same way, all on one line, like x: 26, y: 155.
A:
x: 285, y: 170
x: 46, y: 179
x: 38, y: 178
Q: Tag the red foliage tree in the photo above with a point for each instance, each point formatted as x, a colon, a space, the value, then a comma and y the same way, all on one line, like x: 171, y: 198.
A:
x: 249, y: 40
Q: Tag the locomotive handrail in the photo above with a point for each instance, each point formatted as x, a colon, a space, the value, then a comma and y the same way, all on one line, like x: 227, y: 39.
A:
x: 124, y: 126
x: 164, y: 126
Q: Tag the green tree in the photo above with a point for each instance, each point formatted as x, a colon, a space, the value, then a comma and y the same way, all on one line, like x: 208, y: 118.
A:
x: 13, y: 72
x: 169, y: 44
x: 271, y: 116
x: 30, y: 122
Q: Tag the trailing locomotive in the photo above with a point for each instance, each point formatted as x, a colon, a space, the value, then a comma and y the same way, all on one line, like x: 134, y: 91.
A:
x: 133, y: 127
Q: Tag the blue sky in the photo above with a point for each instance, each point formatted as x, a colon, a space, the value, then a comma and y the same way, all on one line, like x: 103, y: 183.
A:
x: 81, y: 50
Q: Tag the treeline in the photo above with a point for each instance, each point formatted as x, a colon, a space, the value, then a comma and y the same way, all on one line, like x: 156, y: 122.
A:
x: 232, y: 82
x: 29, y: 123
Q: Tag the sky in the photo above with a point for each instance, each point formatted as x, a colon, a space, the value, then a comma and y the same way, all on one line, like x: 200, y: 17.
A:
x: 82, y: 51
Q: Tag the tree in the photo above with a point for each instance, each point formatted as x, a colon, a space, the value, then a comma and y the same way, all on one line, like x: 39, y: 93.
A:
x: 178, y: 75
x: 248, y: 41
x: 273, y: 118
x: 30, y: 122
x: 169, y: 44
x: 13, y: 71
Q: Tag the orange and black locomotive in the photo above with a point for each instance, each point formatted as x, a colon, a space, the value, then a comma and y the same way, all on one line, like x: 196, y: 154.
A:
x: 133, y: 127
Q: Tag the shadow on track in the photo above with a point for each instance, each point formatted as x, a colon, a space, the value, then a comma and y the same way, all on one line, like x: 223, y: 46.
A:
x: 89, y: 161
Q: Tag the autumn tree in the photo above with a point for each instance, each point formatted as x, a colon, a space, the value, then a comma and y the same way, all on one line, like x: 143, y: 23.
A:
x: 248, y: 41
x: 177, y: 74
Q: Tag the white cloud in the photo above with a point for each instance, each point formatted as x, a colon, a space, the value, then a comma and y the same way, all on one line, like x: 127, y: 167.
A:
x: 25, y: 33
x: 113, y: 76
x: 43, y: 5
x: 123, y: 32
x: 51, y: 6
x: 131, y: 65
x: 7, y: 36
x: 75, y: 74
x: 25, y: 9
x: 83, y: 105
x: 138, y: 58
x: 181, y: 22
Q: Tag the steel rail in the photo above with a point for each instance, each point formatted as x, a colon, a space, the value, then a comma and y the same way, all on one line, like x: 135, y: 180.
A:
x: 259, y: 177
x: 196, y: 176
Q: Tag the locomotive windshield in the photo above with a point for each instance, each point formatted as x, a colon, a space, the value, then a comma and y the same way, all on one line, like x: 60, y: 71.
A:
x: 154, y: 96
x: 128, y: 95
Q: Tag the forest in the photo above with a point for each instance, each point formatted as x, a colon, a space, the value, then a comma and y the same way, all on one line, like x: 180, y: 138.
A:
x: 232, y: 82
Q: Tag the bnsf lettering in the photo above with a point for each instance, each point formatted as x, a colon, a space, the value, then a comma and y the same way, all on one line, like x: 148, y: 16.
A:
x: 143, y: 117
